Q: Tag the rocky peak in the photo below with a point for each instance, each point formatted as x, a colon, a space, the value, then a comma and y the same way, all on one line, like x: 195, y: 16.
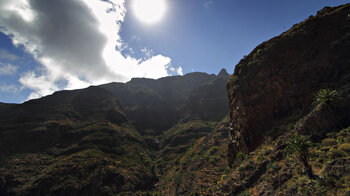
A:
x: 223, y: 73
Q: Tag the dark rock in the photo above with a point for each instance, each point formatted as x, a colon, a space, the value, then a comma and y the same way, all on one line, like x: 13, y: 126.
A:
x: 279, y: 78
x: 223, y: 73
x: 320, y: 120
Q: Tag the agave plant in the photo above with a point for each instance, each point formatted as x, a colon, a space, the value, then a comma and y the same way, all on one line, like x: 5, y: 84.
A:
x: 327, y: 95
x: 299, y: 145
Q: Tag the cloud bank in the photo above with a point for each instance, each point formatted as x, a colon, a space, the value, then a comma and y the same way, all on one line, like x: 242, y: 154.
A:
x: 76, y: 41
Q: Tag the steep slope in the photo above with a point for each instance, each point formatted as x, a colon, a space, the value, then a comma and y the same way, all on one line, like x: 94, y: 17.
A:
x: 280, y: 77
x: 72, y: 142
x: 192, y: 158
x: 209, y: 101
x: 296, y: 83
x: 154, y: 104
x: 108, y: 139
x: 192, y: 153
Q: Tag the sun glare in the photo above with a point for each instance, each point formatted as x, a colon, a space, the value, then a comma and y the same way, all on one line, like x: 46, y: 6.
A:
x: 149, y: 11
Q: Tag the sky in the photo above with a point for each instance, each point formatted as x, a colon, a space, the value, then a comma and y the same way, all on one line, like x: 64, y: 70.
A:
x: 52, y: 45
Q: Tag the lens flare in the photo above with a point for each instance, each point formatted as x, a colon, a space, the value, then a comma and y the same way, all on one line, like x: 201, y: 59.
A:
x: 149, y: 11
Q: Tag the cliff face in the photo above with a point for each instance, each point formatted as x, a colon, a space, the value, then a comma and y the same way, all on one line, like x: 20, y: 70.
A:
x: 279, y: 78
x: 207, y: 102
x: 290, y: 112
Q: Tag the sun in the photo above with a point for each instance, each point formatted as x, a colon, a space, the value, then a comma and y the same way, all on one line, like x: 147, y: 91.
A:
x: 149, y: 11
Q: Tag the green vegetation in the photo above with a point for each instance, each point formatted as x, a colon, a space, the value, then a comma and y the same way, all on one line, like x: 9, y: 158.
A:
x: 329, y: 141
x: 170, y: 136
x: 345, y: 147
x: 299, y: 145
x: 327, y: 96
x: 193, y: 156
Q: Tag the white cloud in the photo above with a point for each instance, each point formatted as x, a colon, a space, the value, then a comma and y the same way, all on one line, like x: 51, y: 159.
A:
x: 13, y: 89
x: 179, y: 71
x: 4, y: 54
x: 7, y: 69
x: 75, y: 41
x: 42, y: 85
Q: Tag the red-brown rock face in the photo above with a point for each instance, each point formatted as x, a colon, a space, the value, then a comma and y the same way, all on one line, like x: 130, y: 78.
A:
x: 279, y: 78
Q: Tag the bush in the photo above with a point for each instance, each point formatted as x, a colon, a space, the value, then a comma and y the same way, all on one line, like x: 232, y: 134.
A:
x: 250, y: 165
x: 213, y: 150
x: 240, y: 157
x: 232, y: 79
x: 347, y: 140
x: 336, y: 153
x: 331, y: 135
x: 244, y: 193
x: 344, y: 133
x: 345, y: 147
x: 194, y: 193
x: 327, y: 96
x: 267, y: 152
x: 329, y: 142
x: 273, y: 167
x: 223, y: 177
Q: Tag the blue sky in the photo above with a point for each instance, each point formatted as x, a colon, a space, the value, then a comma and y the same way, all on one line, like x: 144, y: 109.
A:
x: 50, y: 45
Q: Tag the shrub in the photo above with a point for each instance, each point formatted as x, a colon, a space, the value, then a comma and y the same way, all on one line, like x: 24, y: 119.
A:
x: 331, y: 135
x: 240, y: 157
x: 331, y: 181
x: 267, y: 152
x: 260, y: 158
x: 213, y: 150
x: 213, y: 159
x: 241, y: 168
x: 232, y: 79
x: 329, y: 142
x: 244, y: 193
x: 250, y: 165
x: 336, y: 153
x: 327, y: 96
x: 318, y: 165
x: 345, y: 147
x: 273, y: 167
x: 344, y: 132
x: 223, y: 177
x: 347, y: 140
x: 299, y: 145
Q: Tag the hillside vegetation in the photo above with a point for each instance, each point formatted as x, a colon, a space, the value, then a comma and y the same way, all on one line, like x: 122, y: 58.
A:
x: 280, y: 127
x: 111, y: 139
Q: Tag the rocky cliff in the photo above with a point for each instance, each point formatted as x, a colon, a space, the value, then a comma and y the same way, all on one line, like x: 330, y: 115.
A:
x: 279, y: 78
x: 296, y: 83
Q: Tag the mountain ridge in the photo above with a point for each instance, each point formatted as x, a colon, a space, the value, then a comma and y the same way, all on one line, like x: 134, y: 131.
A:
x: 281, y: 126
x: 110, y: 133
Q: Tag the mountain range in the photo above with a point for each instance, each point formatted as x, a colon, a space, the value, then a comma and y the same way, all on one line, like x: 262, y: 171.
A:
x: 279, y: 125
x: 107, y: 139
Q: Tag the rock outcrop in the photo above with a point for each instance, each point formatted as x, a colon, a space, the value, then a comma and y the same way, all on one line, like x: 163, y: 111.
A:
x: 279, y: 78
x: 296, y: 84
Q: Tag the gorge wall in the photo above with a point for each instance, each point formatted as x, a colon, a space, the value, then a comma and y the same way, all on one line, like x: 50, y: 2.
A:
x: 279, y: 78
